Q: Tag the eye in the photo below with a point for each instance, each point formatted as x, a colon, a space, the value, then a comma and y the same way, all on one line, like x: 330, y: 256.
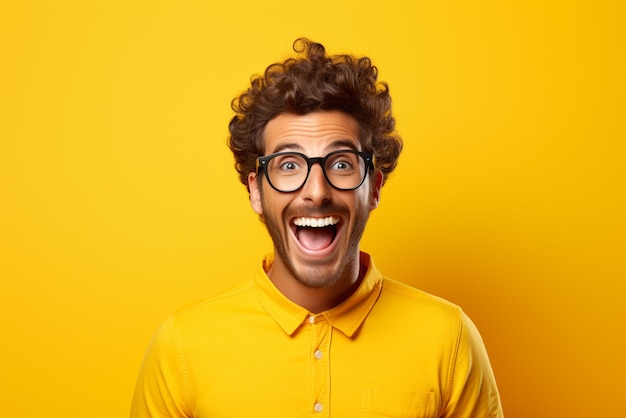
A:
x: 289, y: 165
x: 343, y: 162
x: 341, y: 165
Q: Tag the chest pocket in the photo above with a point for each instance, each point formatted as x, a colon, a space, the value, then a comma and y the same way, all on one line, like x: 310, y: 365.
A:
x: 388, y: 403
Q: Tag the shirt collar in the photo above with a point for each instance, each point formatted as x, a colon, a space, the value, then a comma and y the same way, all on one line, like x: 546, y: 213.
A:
x: 346, y: 317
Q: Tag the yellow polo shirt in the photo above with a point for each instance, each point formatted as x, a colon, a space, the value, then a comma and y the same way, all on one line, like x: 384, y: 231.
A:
x: 389, y: 350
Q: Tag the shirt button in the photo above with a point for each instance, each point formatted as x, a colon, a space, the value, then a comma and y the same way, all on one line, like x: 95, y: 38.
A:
x: 318, y: 407
x: 312, y: 319
x: 318, y: 354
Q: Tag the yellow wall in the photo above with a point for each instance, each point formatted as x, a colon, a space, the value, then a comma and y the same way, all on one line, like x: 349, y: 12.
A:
x: 118, y: 201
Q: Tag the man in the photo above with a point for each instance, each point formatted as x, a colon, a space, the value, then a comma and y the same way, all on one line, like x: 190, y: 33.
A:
x: 319, y: 331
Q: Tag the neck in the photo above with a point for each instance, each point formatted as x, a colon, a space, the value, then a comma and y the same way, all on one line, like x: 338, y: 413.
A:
x: 317, y: 299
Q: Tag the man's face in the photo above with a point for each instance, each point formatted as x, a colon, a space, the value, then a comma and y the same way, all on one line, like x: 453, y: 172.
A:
x: 315, y: 256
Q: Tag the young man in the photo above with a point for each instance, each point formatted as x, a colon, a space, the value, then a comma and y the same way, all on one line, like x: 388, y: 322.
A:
x: 319, y: 331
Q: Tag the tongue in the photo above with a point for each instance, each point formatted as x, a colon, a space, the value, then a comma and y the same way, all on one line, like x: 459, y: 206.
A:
x: 315, y: 239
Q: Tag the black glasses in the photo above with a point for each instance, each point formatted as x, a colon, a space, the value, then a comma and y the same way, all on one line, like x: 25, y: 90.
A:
x: 288, y: 171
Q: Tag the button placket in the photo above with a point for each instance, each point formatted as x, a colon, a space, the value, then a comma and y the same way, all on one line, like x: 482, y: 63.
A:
x: 321, y: 332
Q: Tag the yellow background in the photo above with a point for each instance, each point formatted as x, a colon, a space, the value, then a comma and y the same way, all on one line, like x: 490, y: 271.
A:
x: 119, y: 203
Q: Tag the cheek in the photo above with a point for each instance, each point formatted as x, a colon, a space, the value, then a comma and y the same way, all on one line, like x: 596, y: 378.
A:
x: 272, y: 204
x: 363, y: 200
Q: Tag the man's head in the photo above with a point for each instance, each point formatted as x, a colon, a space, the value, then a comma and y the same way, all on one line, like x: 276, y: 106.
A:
x: 314, y: 81
x: 324, y: 129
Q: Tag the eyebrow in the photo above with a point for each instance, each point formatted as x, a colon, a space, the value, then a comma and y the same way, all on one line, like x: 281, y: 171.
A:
x: 335, y: 145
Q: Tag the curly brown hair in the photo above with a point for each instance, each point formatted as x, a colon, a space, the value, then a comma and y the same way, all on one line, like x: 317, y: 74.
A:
x: 313, y: 82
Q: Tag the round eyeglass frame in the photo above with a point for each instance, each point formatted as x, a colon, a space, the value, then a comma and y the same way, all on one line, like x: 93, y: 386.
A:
x: 263, y: 162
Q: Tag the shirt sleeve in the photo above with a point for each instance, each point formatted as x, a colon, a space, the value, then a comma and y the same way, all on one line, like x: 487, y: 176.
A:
x: 162, y: 388
x: 473, y: 391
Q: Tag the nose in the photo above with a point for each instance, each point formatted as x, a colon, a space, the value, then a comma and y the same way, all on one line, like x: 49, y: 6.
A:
x: 316, y: 189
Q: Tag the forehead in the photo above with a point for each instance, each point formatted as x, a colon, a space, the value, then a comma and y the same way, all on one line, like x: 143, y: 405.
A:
x: 313, y: 132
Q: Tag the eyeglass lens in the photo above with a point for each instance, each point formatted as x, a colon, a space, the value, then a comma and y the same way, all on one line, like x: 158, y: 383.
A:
x: 289, y: 171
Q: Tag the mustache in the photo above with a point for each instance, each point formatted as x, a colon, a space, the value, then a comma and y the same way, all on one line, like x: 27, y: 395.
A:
x: 314, y: 211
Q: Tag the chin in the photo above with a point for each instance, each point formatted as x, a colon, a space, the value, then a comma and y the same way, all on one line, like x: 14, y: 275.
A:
x: 315, y: 280
x: 321, y: 274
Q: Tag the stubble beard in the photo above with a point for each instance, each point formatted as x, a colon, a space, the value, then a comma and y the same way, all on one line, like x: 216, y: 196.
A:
x: 317, y: 275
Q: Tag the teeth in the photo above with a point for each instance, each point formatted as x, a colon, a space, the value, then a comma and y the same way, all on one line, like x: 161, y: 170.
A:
x: 316, y: 222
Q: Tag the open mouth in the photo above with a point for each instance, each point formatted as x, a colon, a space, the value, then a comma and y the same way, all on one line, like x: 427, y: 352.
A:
x: 316, y: 234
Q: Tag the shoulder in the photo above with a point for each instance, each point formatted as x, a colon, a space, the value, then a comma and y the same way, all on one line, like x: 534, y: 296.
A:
x: 214, y: 306
x: 412, y: 305
x: 421, y: 310
x: 403, y: 299
x: 403, y: 293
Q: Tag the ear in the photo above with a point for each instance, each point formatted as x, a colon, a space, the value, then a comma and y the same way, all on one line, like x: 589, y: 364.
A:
x: 376, y: 187
x: 255, y: 194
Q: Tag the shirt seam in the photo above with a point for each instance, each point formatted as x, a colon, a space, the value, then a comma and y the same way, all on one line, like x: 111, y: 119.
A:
x: 454, y: 354
x: 388, y: 286
x: 184, y: 369
x: 245, y: 287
